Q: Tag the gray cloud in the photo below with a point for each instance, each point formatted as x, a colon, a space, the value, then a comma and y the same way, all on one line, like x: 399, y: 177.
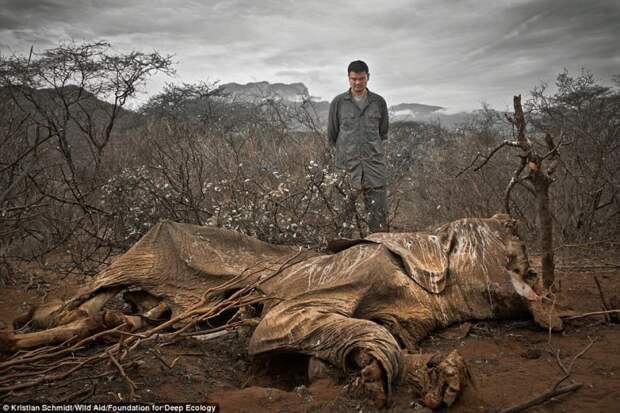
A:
x: 453, y: 54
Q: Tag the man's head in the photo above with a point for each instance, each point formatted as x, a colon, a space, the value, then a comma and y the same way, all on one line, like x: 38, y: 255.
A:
x: 358, y: 77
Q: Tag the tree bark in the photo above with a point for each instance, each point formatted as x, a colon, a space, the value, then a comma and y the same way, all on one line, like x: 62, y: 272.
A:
x: 545, y: 227
x: 541, y: 182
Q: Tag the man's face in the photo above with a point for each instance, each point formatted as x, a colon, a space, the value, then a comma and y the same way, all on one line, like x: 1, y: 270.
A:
x: 358, y: 82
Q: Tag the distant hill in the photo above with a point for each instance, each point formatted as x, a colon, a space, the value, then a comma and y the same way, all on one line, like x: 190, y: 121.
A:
x: 256, y: 91
x: 415, y: 108
x: 83, y: 111
x: 406, y: 112
x: 79, y: 101
x: 295, y: 93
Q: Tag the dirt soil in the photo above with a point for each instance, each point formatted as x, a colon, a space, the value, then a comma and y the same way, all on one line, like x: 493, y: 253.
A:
x: 509, y: 361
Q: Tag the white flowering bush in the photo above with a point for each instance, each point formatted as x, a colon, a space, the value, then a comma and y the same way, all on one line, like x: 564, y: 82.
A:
x: 236, y: 183
x: 127, y: 199
x: 249, y: 173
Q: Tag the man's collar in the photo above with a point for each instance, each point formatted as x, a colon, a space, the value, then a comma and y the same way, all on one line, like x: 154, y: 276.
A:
x: 348, y: 95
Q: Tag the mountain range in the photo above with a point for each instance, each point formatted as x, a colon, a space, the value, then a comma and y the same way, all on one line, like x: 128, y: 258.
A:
x: 295, y: 93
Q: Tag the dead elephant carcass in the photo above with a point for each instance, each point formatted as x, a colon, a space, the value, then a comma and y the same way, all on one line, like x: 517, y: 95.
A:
x: 362, y: 308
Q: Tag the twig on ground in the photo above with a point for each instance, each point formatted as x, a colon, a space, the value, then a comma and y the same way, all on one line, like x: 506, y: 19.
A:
x: 130, y: 383
x: 209, y: 332
x: 82, y: 393
x: 48, y: 379
x: 160, y: 358
x: 569, y: 370
x: 189, y: 354
x: 552, y: 392
x: 174, y: 361
x: 47, y: 369
x: 55, y: 351
x: 585, y: 244
x: 560, y: 363
x: 556, y: 389
x: 593, y: 313
x: 89, y: 395
x: 68, y: 382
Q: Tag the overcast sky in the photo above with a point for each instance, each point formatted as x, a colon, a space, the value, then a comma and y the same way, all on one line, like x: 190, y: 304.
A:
x: 455, y: 54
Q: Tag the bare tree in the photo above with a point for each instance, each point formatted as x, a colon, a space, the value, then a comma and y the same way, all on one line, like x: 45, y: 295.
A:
x: 58, y: 87
x: 588, y: 204
x: 540, y: 165
x: 64, y: 106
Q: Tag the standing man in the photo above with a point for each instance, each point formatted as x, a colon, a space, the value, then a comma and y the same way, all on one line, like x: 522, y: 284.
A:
x: 357, y: 126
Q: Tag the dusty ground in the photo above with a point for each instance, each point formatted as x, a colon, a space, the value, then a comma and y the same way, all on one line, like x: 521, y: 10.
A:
x: 509, y: 361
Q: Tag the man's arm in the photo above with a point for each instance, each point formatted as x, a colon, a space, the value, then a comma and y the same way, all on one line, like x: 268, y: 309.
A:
x: 384, y: 124
x: 333, y: 122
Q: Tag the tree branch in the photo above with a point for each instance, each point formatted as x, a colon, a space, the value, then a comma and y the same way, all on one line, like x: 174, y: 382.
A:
x: 515, y: 179
x: 488, y: 157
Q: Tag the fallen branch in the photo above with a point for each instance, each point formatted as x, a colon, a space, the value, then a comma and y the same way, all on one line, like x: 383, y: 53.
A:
x: 205, y: 335
x: 569, y: 370
x: 585, y: 244
x: 83, y: 394
x: 556, y: 389
x: 161, y: 358
x: 130, y: 383
x: 54, y: 351
x: 593, y: 313
x: 589, y: 267
x: 75, y: 380
x: 552, y: 392
x: 47, y: 379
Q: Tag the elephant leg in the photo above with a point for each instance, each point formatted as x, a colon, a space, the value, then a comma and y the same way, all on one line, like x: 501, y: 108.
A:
x: 436, y: 380
x: 370, y: 382
x: 10, y: 342
x: 362, y: 346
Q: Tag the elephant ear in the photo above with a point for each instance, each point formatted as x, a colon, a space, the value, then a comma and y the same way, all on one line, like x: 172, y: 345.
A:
x: 424, y: 257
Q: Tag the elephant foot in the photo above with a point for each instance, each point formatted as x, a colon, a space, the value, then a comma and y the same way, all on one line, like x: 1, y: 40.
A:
x: 370, y: 383
x: 436, y: 380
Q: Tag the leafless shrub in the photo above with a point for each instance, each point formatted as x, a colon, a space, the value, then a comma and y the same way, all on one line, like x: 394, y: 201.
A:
x: 587, y: 202
x: 63, y: 106
x: 194, y: 155
x: 259, y: 178
x: 433, y: 186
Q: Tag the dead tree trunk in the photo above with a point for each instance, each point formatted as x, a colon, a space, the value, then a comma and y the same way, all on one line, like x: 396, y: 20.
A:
x: 537, y: 181
x: 545, y: 227
x: 541, y: 181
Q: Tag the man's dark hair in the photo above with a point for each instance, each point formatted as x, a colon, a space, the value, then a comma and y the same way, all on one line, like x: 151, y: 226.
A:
x: 358, y: 67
